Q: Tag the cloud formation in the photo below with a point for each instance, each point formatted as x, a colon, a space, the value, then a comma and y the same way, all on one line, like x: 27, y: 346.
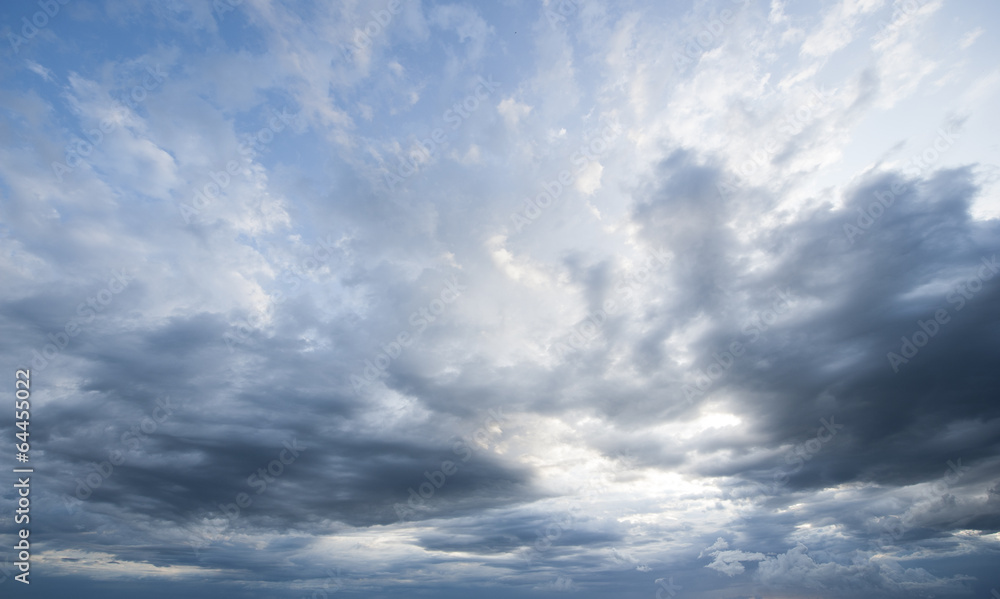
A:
x: 399, y: 298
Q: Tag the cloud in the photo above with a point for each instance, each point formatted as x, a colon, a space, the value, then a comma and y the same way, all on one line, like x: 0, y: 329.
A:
x: 513, y: 111
x: 729, y: 562
x: 748, y: 326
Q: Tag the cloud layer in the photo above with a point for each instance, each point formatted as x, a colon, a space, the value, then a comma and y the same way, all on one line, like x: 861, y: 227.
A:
x: 405, y: 298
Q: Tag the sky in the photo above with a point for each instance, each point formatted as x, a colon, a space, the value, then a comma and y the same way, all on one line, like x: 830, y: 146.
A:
x: 578, y: 298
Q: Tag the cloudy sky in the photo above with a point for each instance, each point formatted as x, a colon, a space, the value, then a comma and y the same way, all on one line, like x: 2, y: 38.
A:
x: 589, y: 298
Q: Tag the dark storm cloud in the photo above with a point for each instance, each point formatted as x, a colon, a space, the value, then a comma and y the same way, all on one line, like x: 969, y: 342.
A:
x: 219, y: 436
x: 851, y: 304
